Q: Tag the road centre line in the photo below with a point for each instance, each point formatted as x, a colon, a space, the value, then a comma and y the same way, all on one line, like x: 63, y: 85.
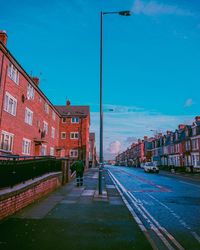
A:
x: 140, y: 207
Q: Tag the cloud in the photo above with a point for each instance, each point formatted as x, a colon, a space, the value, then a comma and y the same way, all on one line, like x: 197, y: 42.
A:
x: 131, y: 139
x: 189, y: 102
x: 121, y: 129
x: 153, y: 8
x: 114, y: 147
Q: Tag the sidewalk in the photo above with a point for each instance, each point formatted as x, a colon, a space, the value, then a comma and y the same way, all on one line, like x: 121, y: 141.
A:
x: 75, y: 219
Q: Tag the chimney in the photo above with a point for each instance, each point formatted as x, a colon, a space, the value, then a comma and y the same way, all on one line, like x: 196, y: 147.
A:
x: 3, y: 37
x: 197, y: 118
x: 181, y: 126
x: 68, y: 103
x: 36, y: 80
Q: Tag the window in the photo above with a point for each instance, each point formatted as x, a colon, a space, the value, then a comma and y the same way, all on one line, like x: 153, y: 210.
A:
x: 74, y: 135
x: 26, y: 146
x: 51, y: 151
x: 46, y: 108
x: 10, y: 104
x: 75, y: 120
x: 63, y: 135
x: 194, y: 131
x: 53, y: 115
x: 52, y: 132
x: 64, y: 120
x: 45, y: 127
x: 6, y: 141
x: 187, y: 145
x: 195, y: 144
x: 30, y: 92
x: 73, y: 153
x: 13, y: 73
x: 28, y: 116
x: 43, y: 150
x: 40, y: 99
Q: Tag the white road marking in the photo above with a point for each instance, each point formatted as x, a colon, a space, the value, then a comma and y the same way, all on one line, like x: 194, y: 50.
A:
x: 198, y: 186
x: 140, y: 207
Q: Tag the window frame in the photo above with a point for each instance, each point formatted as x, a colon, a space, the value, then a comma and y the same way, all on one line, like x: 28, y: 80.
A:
x: 10, y: 139
x: 74, y: 133
x: 74, y: 120
x: 61, y: 135
x: 71, y: 153
x: 25, y: 119
x: 29, y: 146
x: 7, y: 99
x: 13, y: 73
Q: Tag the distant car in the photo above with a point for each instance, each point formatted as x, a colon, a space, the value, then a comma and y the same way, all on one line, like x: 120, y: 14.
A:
x: 150, y: 167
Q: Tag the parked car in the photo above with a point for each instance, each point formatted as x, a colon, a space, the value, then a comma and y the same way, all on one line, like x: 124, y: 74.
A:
x: 150, y: 167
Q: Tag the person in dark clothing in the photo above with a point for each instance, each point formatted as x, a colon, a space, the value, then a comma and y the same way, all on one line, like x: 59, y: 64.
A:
x: 78, y: 166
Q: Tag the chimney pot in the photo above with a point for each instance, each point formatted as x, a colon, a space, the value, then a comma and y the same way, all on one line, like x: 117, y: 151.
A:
x: 68, y: 103
x: 3, y: 37
x: 36, y: 80
x: 181, y: 126
x: 197, y: 118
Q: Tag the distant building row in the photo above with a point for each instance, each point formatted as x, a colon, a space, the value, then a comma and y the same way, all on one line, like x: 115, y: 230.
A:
x: 180, y: 148
x: 31, y: 125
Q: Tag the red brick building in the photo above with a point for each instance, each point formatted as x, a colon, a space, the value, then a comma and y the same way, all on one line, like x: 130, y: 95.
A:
x: 29, y: 123
x: 74, y: 131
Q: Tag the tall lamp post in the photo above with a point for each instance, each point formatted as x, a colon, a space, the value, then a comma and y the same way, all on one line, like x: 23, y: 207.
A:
x: 122, y: 13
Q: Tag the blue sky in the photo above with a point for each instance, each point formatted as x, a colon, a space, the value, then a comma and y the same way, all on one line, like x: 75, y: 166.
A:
x: 151, y: 59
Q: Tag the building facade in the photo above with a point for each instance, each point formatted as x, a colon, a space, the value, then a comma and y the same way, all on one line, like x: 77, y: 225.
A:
x: 179, y: 148
x: 30, y: 124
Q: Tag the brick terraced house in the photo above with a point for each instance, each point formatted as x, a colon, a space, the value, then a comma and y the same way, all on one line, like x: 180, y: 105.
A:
x: 180, y: 148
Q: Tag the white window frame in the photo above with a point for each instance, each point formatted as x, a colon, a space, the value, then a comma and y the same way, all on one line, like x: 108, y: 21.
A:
x: 63, y: 133
x: 26, y: 146
x: 74, y: 135
x: 45, y: 127
x: 73, y: 153
x: 63, y: 120
x: 28, y: 116
x: 52, y: 151
x: 45, y: 150
x: 53, y: 115
x: 194, y: 131
x: 30, y: 92
x: 13, y: 73
x: 46, y: 107
x: 53, y: 132
x: 10, y: 139
x: 10, y: 104
x: 75, y: 120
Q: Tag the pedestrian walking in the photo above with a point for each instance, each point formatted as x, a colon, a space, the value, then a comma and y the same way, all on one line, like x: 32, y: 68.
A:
x: 78, y: 166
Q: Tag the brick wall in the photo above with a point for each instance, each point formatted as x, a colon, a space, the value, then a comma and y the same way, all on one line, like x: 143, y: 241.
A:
x: 16, y: 200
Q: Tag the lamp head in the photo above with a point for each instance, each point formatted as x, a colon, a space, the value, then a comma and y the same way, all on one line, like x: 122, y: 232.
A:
x: 125, y: 13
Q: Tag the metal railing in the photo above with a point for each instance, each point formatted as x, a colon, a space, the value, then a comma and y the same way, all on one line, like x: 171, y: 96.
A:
x: 18, y: 169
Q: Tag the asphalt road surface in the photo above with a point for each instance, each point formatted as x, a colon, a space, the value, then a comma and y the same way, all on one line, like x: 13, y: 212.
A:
x: 166, y: 207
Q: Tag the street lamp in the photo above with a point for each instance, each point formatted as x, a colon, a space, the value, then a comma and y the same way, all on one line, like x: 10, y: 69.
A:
x: 101, y: 160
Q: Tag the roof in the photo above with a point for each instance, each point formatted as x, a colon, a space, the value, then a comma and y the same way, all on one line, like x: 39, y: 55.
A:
x: 69, y: 110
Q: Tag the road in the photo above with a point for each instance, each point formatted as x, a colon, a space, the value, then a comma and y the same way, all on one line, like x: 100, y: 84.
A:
x: 166, y: 207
